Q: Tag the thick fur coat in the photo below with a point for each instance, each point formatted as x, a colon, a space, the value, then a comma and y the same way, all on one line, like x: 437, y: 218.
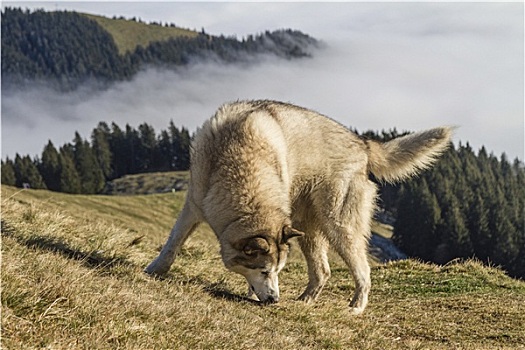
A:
x: 263, y: 172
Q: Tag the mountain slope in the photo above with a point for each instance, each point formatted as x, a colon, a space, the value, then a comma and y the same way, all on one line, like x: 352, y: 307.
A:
x: 129, y: 34
x: 72, y: 278
x: 66, y: 49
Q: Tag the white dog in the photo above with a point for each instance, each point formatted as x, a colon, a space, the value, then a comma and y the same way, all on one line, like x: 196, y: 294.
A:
x: 263, y: 172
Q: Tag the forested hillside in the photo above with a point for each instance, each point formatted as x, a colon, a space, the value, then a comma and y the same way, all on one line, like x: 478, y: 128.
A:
x: 67, y: 48
x: 469, y: 205
x: 84, y: 166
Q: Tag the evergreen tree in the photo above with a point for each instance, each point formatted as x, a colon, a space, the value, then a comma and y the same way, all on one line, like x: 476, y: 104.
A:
x: 482, y: 201
x: 50, y: 167
x: 132, y: 143
x: 165, y: 152
x: 480, y: 234
x: 505, y: 236
x: 100, y: 140
x: 8, y: 173
x: 69, y: 178
x: 91, y: 176
x: 453, y: 232
x: 184, y: 149
x: 27, y: 174
x: 181, y: 141
x: 66, y: 48
x: 147, y: 148
x: 418, y: 217
x: 119, y: 151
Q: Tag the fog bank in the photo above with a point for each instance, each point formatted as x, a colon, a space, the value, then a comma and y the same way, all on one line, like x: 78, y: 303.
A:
x: 410, y: 66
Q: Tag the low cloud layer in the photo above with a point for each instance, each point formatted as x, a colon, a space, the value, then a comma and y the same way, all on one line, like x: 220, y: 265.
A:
x: 408, y: 66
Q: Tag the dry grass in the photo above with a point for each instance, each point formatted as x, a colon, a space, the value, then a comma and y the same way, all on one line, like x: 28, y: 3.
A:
x: 130, y: 34
x: 148, y: 183
x: 72, y: 279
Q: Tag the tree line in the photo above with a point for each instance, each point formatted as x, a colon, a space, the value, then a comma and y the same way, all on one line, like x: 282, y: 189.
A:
x: 469, y: 205
x: 84, y: 166
x: 66, y: 49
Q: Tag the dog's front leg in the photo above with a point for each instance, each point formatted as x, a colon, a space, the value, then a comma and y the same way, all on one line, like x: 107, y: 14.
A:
x: 185, y: 225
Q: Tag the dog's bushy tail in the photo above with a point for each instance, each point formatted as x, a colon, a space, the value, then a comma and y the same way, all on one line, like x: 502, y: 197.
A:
x: 405, y: 156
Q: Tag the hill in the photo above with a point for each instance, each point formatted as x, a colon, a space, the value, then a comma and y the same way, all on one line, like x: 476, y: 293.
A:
x: 148, y: 183
x: 72, y: 278
x: 67, y: 49
x: 130, y: 34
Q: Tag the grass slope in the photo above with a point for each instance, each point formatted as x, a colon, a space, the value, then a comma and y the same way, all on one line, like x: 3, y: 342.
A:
x: 72, y: 278
x: 130, y: 34
x: 148, y: 183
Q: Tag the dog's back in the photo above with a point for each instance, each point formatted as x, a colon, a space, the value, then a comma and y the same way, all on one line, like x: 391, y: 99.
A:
x: 313, y: 143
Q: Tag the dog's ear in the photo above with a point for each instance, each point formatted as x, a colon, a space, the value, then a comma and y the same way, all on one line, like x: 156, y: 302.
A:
x: 289, y: 232
x: 256, y: 245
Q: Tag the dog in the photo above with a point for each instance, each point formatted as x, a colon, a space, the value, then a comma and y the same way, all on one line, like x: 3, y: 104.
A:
x: 264, y: 172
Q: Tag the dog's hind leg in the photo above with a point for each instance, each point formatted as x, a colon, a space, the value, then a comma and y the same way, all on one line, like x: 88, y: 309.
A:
x: 315, y: 248
x: 354, y: 254
x: 348, y: 230
x: 185, y: 225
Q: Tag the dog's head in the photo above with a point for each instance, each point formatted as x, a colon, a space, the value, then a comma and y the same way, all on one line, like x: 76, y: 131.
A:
x: 260, y: 258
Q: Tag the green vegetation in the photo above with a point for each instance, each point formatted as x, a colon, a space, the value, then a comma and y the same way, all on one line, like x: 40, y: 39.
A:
x: 72, y: 278
x: 149, y: 183
x: 129, y: 34
x: 85, y: 167
x: 467, y: 206
x: 67, y: 49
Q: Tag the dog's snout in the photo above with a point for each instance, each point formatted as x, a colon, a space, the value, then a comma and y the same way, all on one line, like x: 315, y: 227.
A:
x: 271, y: 299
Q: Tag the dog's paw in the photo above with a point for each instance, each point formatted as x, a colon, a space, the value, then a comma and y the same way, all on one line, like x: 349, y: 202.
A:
x: 307, y: 298
x: 356, y: 310
x: 358, y: 304
x: 156, y: 269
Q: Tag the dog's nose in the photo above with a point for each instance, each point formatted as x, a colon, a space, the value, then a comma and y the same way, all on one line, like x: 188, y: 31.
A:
x: 271, y: 299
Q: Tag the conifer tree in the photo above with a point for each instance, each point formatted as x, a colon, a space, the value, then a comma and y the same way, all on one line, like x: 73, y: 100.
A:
x: 100, y: 141
x: 147, y: 147
x: 91, y: 176
x: 50, y: 167
x: 132, y: 141
x: 8, y: 173
x: 480, y: 234
x: 418, y: 217
x: 119, y: 151
x: 165, y: 152
x: 27, y: 173
x: 69, y: 178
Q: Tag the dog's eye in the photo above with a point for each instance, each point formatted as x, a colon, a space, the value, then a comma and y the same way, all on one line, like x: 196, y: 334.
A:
x: 265, y: 273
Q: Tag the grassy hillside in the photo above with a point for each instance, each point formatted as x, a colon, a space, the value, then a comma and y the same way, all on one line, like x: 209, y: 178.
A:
x: 130, y: 34
x: 148, y: 183
x: 72, y: 278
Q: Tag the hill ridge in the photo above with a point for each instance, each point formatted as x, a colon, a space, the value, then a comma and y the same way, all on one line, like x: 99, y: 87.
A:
x: 67, y: 49
x: 129, y: 34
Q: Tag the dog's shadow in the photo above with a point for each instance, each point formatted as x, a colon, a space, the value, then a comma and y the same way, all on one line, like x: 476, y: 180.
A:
x: 98, y: 260
x: 218, y: 291
x: 91, y: 259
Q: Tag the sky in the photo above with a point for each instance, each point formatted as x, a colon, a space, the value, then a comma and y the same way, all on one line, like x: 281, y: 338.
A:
x: 409, y: 65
